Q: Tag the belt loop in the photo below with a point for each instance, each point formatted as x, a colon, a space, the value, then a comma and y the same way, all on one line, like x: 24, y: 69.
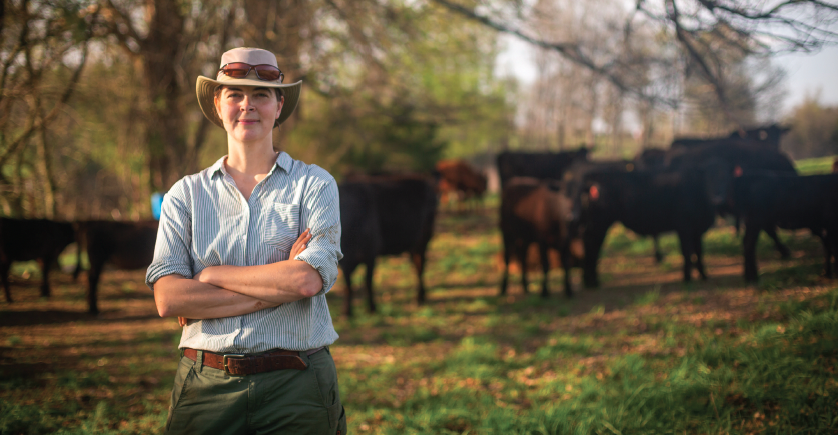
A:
x: 199, y: 361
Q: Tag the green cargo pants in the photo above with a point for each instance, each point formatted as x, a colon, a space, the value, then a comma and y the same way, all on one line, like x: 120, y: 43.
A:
x: 208, y: 401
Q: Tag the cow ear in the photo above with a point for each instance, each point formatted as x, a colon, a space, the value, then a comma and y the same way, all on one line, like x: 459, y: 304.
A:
x: 593, y: 192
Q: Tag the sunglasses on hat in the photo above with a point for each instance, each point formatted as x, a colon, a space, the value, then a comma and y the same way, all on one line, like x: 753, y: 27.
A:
x: 240, y: 70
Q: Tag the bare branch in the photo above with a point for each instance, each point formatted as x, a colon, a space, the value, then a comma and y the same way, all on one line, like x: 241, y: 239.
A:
x: 571, y: 51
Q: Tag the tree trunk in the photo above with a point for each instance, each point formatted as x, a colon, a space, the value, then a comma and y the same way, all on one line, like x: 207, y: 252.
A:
x: 47, y: 175
x: 161, y: 54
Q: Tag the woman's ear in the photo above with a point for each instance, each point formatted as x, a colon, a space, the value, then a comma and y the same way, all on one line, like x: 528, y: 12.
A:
x: 279, y: 106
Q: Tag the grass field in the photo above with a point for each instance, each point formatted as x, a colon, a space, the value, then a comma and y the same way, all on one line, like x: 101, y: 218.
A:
x: 643, y: 354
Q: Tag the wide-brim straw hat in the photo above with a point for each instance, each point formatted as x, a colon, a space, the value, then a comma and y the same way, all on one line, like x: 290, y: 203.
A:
x: 205, y: 86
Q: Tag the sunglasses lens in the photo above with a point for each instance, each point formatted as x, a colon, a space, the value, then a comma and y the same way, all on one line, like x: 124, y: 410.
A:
x: 267, y: 72
x: 236, y: 70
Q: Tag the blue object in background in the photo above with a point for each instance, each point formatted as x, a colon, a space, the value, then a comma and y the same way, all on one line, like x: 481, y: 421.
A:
x: 156, y: 204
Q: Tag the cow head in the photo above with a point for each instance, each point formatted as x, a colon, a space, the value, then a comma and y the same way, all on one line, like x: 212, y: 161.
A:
x: 718, y: 177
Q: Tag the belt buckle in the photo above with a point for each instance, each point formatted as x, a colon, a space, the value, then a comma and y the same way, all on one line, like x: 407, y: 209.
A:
x: 224, y: 362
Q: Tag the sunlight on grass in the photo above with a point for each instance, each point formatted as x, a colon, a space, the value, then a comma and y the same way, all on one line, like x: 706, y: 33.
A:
x: 712, y: 357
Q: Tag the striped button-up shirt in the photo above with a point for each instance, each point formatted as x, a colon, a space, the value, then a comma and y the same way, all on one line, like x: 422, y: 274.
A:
x: 205, y: 221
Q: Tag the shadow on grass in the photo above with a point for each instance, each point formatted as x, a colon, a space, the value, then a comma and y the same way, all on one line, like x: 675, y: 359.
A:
x: 53, y: 317
x: 38, y: 317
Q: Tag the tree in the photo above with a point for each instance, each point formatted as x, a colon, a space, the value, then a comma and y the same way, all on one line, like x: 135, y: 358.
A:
x: 813, y: 132
x: 171, y: 40
x: 43, y: 50
x: 702, y: 30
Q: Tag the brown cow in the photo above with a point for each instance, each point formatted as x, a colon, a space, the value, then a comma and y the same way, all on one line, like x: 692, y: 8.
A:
x: 31, y: 239
x: 125, y: 245
x: 456, y: 177
x: 534, y: 211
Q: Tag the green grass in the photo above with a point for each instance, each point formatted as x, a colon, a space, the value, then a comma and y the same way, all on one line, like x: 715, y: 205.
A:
x: 642, y: 354
x: 819, y: 165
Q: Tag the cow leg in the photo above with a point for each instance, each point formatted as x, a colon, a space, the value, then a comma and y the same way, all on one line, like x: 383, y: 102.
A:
x: 827, y: 252
x: 93, y: 286
x: 564, y: 253
x: 507, y: 253
x: 347, y: 297
x: 658, y: 253
x: 545, y: 267
x: 699, y: 256
x: 750, y: 245
x: 4, y: 275
x: 77, y: 269
x: 419, y: 264
x: 593, y: 244
x: 521, y: 252
x: 833, y: 240
x: 46, y: 262
x: 369, y: 275
x: 781, y: 248
x: 687, y: 250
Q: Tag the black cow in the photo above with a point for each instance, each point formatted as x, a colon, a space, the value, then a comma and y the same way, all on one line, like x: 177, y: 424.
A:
x: 535, y: 211
x: 385, y: 215
x: 32, y: 239
x: 124, y: 245
x: 724, y: 159
x: 766, y: 136
x: 769, y: 200
x: 543, y: 166
x: 647, y: 203
x: 649, y: 159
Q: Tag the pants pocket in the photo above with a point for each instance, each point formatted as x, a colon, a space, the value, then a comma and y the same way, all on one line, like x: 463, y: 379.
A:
x: 182, y: 378
x: 335, y: 412
x: 327, y: 384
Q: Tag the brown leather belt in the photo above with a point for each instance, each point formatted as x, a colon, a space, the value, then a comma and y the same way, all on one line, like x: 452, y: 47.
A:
x: 241, y: 365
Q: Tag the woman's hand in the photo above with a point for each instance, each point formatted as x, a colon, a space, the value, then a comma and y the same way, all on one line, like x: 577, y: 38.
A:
x: 300, y: 245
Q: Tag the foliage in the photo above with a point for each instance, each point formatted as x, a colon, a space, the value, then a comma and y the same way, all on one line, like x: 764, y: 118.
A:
x: 813, y: 131
x: 388, y: 86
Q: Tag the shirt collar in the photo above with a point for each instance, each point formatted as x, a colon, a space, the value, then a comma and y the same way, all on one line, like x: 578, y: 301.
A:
x: 283, y: 160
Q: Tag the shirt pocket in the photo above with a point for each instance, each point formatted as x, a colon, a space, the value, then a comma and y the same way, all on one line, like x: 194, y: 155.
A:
x: 283, y: 226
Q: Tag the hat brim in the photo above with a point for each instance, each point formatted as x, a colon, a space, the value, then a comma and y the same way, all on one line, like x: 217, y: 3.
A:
x: 205, y: 88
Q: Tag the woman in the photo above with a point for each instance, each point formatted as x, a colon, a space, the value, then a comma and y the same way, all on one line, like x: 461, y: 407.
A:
x: 232, y: 257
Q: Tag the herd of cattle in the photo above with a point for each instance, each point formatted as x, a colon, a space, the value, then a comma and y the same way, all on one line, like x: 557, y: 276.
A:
x: 556, y: 201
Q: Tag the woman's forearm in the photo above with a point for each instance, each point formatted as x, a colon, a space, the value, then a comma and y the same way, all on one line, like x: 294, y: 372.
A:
x: 177, y: 296
x: 281, y: 282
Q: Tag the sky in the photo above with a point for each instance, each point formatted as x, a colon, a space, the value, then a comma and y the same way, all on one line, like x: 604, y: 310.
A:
x: 815, y: 73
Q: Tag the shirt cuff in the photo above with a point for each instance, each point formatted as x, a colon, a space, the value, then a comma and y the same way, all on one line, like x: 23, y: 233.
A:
x: 324, y: 263
x: 159, y: 270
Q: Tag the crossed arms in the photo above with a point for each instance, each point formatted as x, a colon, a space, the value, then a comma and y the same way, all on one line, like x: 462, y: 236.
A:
x: 224, y: 291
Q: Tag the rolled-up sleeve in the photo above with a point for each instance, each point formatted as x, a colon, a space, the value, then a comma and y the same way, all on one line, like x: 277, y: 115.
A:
x: 174, y: 236
x: 321, y: 213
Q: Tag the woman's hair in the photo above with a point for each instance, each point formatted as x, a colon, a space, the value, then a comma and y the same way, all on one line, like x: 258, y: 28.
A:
x: 278, y: 91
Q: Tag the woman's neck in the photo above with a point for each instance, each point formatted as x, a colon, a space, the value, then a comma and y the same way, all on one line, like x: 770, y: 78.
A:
x: 250, y: 159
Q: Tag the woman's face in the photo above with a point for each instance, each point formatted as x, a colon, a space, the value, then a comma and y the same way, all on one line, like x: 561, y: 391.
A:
x: 248, y: 112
